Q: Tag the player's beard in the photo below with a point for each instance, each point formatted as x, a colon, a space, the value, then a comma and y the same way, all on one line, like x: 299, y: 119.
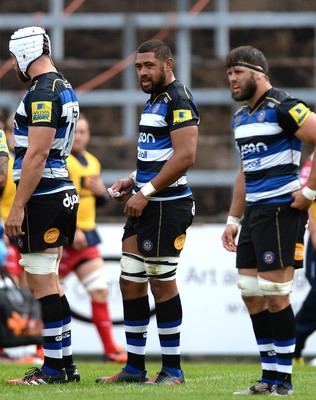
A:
x: 247, y: 92
x: 157, y: 84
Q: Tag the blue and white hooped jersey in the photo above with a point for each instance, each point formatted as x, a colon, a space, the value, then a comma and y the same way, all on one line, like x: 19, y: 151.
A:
x: 172, y: 109
x: 50, y: 102
x: 269, y: 150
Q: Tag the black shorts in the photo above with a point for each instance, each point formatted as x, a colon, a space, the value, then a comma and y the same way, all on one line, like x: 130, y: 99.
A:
x: 49, y: 221
x: 272, y: 237
x: 161, y: 228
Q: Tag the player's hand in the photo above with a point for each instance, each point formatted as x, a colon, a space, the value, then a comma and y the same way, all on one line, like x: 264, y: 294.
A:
x: 13, y: 224
x: 229, y: 237
x: 135, y: 205
x: 121, y: 189
x: 80, y: 240
x: 300, y: 201
x: 96, y: 185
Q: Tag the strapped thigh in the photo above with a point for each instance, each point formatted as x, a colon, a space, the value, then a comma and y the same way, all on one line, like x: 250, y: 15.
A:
x: 161, y: 268
x: 132, y: 268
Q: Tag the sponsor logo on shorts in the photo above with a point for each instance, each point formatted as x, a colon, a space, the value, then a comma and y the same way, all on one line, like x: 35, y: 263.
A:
x: 299, y: 252
x: 19, y: 242
x: 268, y: 257
x: 51, y: 235
x: 179, y: 242
x: 70, y: 201
x: 147, y: 245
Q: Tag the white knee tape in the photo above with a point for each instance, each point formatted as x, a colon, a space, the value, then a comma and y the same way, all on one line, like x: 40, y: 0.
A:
x: 97, y: 280
x: 274, y: 288
x: 40, y: 263
x: 161, y: 268
x: 249, y: 286
x: 132, y: 268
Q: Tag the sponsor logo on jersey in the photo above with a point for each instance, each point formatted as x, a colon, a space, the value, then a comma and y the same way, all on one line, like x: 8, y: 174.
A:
x: 299, y: 252
x: 51, y: 235
x: 252, y: 164
x: 252, y: 148
x: 142, y: 153
x: 179, y: 242
x: 299, y: 113
x: 146, y: 137
x: 41, y: 111
x: 181, y: 116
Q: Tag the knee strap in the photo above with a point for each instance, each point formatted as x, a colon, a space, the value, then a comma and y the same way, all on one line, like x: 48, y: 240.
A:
x: 132, y: 268
x: 40, y: 263
x: 275, y: 288
x: 96, y: 280
x: 249, y: 286
x: 161, y: 268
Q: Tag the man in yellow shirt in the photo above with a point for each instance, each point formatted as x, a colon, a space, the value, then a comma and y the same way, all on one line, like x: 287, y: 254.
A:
x: 83, y: 257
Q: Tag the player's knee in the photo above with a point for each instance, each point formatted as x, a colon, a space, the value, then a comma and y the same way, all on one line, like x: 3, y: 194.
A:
x: 269, y: 288
x: 40, y: 263
x: 96, y: 281
x: 132, y: 268
x: 161, y: 268
x: 249, y: 286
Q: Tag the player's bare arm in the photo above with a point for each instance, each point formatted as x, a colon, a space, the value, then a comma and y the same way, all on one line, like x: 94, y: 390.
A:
x: 307, y: 133
x: 40, y: 139
x: 235, y: 213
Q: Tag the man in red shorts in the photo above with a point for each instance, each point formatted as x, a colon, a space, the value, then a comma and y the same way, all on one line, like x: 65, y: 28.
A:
x: 84, y: 257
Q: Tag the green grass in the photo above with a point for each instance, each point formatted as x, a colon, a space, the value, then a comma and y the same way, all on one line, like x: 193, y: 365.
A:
x: 206, y: 380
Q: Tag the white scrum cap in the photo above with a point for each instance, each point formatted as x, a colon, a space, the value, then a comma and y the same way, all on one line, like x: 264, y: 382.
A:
x: 27, y: 44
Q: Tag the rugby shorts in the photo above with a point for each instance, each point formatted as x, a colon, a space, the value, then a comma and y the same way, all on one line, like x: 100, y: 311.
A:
x: 272, y: 237
x: 72, y: 258
x: 49, y: 221
x: 161, y: 228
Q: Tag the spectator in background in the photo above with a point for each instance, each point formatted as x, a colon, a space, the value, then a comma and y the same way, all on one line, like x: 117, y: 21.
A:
x: 269, y: 130
x: 305, y: 319
x: 83, y: 257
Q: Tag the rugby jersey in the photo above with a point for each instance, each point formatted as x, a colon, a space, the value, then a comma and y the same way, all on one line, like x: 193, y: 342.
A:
x: 49, y: 102
x: 269, y: 150
x: 169, y: 110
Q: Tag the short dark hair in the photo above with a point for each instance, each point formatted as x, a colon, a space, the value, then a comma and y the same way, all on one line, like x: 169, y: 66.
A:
x: 249, y: 55
x: 161, y: 49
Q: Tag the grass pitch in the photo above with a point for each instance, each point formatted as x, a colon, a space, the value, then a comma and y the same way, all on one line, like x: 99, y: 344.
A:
x: 204, y: 381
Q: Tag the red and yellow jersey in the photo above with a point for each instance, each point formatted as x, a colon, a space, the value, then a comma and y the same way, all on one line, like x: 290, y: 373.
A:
x: 8, y: 191
x: 79, y: 173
